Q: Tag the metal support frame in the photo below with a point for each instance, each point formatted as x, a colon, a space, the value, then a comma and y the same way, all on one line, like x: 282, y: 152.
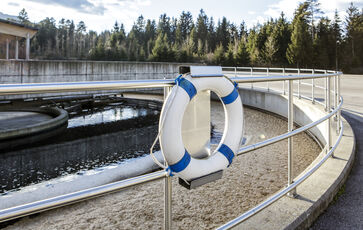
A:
x: 312, y: 88
x: 290, y: 124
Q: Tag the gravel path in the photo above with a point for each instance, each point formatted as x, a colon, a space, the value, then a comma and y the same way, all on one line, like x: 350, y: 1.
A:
x: 250, y: 180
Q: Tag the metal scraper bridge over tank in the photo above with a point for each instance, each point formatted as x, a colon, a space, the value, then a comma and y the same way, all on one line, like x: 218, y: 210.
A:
x: 245, y: 76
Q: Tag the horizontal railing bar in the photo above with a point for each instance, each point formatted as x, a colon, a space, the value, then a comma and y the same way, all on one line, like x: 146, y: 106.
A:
x: 31, y: 88
x: 253, y: 79
x: 59, y: 201
x: 281, y: 137
x: 26, y: 88
x: 284, y: 191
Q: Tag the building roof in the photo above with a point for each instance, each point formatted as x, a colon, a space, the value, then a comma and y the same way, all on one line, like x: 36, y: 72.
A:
x: 16, y: 29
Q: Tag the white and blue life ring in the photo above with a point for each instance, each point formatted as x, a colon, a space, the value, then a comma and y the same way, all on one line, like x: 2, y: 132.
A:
x: 170, y: 126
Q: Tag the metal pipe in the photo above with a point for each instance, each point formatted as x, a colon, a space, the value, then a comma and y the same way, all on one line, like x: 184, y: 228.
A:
x: 290, y: 125
x: 282, y: 192
x: 339, y: 100
x: 335, y: 95
x: 281, y: 137
x: 59, y: 201
x: 312, y: 88
x: 251, y: 76
x: 326, y: 94
x: 28, y: 88
x: 298, y: 85
x: 268, y: 83
x: 167, y: 203
x: 329, y: 120
x: 283, y: 82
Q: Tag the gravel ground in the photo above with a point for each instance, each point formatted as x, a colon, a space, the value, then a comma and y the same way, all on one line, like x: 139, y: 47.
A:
x: 248, y: 181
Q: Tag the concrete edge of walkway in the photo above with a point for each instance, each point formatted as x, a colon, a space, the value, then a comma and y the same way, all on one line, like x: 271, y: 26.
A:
x: 314, y: 194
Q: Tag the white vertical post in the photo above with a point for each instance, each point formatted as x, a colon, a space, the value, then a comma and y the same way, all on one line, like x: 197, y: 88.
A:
x: 335, y: 95
x: 27, y: 50
x: 7, y: 49
x: 298, y: 85
x: 251, y: 76
x: 313, y: 88
x: 283, y: 82
x: 235, y: 71
x: 167, y: 200
x: 290, y: 123
x: 338, y: 99
x: 326, y: 93
x: 16, y: 48
x: 328, y: 111
x: 167, y: 185
x: 268, y: 74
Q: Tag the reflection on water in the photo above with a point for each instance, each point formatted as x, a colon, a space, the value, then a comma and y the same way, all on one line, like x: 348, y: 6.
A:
x: 109, y: 114
x: 53, y: 159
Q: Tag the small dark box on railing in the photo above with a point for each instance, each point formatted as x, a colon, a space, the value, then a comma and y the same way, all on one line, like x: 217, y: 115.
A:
x: 201, y: 180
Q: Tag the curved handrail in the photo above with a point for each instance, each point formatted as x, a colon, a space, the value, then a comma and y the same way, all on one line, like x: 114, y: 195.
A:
x: 284, y: 136
x: 39, y: 206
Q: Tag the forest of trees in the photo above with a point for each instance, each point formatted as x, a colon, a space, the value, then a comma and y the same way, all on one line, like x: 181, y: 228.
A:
x: 309, y: 40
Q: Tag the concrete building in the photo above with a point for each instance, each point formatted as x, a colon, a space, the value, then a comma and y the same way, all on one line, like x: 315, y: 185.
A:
x: 10, y: 35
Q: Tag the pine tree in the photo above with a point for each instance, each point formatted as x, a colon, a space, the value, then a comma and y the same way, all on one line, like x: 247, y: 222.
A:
x: 242, y: 55
x: 299, y: 51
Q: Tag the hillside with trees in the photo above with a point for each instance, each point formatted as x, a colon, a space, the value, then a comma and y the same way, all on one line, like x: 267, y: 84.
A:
x: 310, y: 40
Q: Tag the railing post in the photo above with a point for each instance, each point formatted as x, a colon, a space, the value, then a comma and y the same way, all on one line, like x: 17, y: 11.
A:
x: 251, y: 76
x: 235, y: 71
x: 290, y: 124
x: 298, y: 85
x: 268, y: 74
x: 283, y: 82
x: 326, y: 93
x: 167, y: 185
x: 167, y: 202
x: 166, y: 91
x: 335, y: 95
x: 313, y: 87
x: 338, y: 99
x: 328, y: 111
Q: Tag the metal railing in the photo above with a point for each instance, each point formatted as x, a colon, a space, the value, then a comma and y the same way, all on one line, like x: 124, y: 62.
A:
x: 240, y: 75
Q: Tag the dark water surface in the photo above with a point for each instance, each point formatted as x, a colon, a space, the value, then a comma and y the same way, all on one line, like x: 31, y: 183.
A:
x: 94, y: 138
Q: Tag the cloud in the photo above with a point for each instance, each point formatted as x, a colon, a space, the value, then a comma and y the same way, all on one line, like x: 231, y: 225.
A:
x: 286, y: 6
x: 83, y: 6
x: 327, y: 6
x: 13, y: 4
x: 251, y: 12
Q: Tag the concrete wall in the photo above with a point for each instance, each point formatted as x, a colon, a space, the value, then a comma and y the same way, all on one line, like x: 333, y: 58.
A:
x: 35, y: 71
x: 304, y: 111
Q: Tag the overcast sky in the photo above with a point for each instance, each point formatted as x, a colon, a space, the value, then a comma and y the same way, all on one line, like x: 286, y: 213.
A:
x: 100, y: 15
